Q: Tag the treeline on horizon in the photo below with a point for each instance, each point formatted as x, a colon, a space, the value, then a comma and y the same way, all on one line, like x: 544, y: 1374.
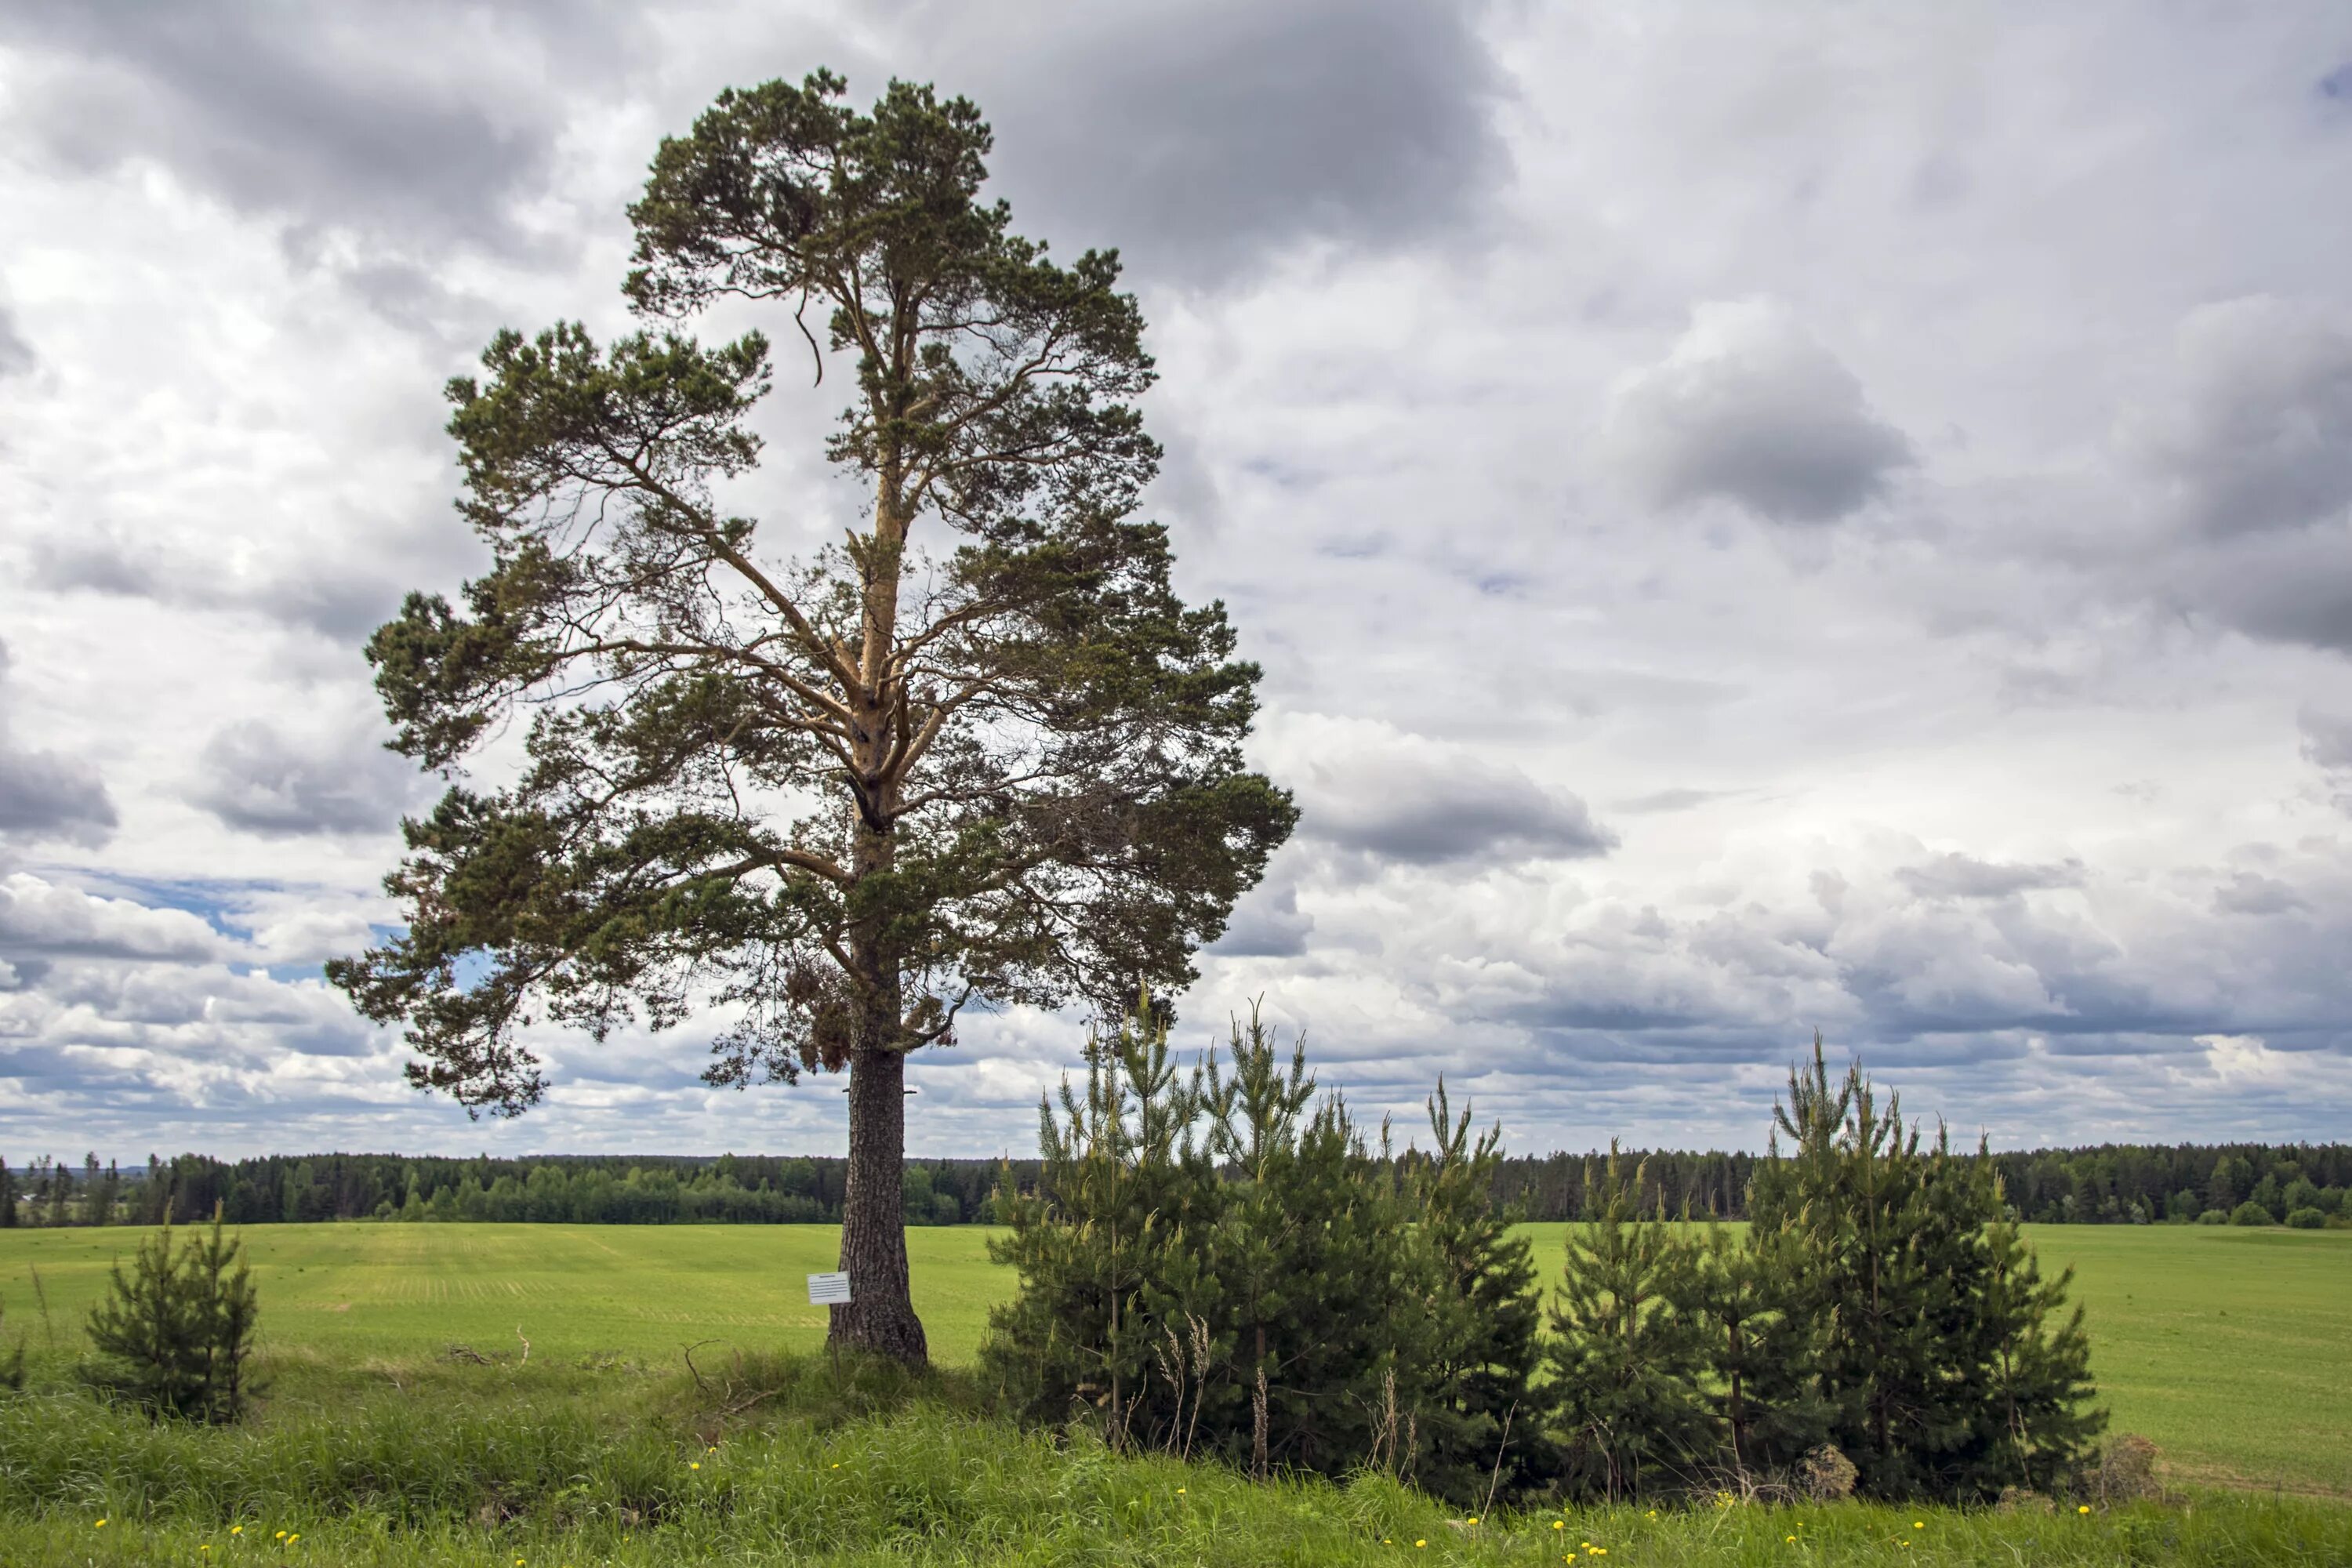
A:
x: 2109, y: 1184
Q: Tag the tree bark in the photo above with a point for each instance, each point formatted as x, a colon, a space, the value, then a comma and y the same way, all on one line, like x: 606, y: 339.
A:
x: 881, y: 1316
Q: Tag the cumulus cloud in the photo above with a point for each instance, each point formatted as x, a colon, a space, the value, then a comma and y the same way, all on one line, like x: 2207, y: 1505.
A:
x: 1816, y: 747
x: 1370, y: 787
x: 45, y: 794
x: 1749, y: 408
x: 41, y: 917
x: 1957, y: 876
x: 253, y: 776
x: 2241, y: 1058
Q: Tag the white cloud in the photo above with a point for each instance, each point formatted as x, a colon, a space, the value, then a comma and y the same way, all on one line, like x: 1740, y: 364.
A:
x: 2245, y: 1059
x: 41, y: 917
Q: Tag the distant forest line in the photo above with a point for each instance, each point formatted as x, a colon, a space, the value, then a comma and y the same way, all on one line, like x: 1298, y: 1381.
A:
x: 2110, y: 1184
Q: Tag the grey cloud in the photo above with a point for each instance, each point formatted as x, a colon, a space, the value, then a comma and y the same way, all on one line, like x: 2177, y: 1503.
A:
x: 2326, y: 738
x: 1198, y: 135
x: 1266, y: 923
x: 2289, y: 586
x: 1378, y: 791
x: 419, y: 123
x: 2257, y: 429
x: 1947, y: 981
x: 1671, y: 800
x: 45, y: 794
x: 342, y: 599
x: 253, y: 777
x: 1957, y: 876
x: 1749, y: 407
x: 16, y: 355
x: 2250, y: 893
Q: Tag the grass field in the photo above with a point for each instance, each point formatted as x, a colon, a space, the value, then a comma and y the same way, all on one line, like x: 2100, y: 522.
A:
x: 2232, y: 1349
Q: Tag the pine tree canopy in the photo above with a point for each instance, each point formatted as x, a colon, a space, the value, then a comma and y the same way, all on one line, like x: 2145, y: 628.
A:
x: 978, y: 752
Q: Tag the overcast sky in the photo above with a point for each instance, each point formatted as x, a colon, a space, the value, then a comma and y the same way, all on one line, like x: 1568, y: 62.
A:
x: 1756, y: 518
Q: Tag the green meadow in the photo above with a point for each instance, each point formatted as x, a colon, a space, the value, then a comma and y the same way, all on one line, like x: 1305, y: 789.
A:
x: 2231, y: 1348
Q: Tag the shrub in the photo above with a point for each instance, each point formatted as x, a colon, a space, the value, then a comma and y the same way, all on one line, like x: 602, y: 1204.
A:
x: 2306, y: 1219
x: 2126, y: 1472
x: 2212, y: 1216
x: 2251, y: 1212
x: 1826, y: 1475
x: 174, y: 1334
x: 12, y: 1369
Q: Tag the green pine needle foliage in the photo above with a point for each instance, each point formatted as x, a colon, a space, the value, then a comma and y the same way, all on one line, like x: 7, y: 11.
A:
x: 175, y: 1332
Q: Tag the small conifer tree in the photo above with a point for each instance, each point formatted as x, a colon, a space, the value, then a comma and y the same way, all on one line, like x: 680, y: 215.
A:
x: 1110, y: 1250
x: 2035, y: 1426
x: 1628, y: 1367
x: 1485, y: 1433
x: 1762, y: 1348
x: 175, y: 1332
x: 1313, y: 1255
x: 1940, y: 1355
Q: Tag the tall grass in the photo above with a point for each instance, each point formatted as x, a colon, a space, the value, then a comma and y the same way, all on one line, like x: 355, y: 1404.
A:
x: 773, y: 1459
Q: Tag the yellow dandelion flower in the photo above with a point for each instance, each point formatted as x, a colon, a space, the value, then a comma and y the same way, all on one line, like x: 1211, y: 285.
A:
x: 1473, y: 1518
x: 2084, y: 1508
x: 236, y: 1530
x: 1180, y: 1491
x: 695, y: 1466
x: 293, y: 1537
x: 836, y: 1467
x: 1918, y: 1524
x: 1421, y: 1543
x: 100, y: 1525
x: 1792, y: 1541
x: 1560, y: 1524
x: 279, y: 1536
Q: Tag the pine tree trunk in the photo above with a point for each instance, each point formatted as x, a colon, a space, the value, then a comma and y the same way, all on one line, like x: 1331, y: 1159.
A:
x: 881, y: 1314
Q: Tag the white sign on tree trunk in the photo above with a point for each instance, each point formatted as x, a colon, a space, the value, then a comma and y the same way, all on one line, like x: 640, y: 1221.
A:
x: 829, y: 1290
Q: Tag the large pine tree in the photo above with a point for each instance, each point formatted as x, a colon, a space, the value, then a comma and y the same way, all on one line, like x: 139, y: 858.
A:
x: 977, y: 753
